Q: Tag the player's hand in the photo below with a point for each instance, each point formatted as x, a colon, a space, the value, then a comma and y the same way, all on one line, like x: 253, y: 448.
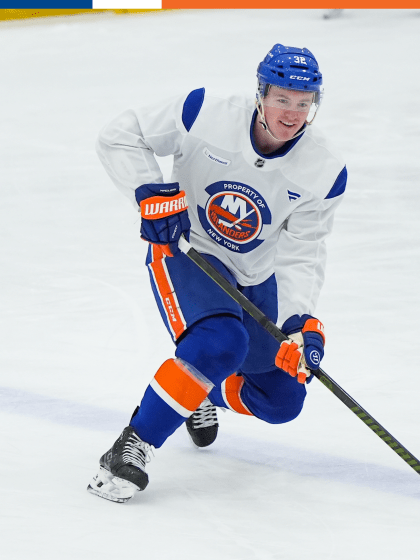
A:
x: 164, y: 215
x: 305, y: 348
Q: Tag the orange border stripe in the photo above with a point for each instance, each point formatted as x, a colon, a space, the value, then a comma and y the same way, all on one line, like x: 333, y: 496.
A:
x: 181, y: 385
x: 274, y: 4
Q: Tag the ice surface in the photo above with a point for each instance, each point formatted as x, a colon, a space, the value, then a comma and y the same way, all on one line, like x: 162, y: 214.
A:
x: 81, y: 338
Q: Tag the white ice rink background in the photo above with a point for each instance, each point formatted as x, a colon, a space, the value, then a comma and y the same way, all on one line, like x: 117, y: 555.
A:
x: 80, y: 335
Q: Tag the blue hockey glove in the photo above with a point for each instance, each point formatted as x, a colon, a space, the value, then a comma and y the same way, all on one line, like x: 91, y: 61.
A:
x: 305, y: 348
x: 164, y: 215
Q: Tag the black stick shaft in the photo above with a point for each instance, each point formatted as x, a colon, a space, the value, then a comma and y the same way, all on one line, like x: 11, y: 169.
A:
x: 325, y: 379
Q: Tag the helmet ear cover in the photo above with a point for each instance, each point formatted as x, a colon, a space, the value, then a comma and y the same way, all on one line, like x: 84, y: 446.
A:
x: 263, y: 89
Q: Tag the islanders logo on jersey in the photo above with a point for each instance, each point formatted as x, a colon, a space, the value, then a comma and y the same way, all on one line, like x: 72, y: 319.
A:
x: 234, y: 215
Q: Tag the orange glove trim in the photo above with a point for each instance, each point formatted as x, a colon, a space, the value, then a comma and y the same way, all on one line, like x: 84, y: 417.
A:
x: 294, y: 362
x: 314, y: 325
x: 302, y: 378
x: 166, y: 250
x: 288, y: 358
x: 281, y: 354
x: 157, y: 207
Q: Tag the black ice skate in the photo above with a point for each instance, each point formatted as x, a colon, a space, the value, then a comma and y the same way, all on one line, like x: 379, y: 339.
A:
x: 202, y: 424
x: 122, y: 468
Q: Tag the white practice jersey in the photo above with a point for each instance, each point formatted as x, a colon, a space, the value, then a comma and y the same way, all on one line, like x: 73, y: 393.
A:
x: 258, y: 214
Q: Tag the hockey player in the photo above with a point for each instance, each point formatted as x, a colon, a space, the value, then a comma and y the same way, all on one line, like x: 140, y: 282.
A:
x: 255, y: 188
x: 333, y: 13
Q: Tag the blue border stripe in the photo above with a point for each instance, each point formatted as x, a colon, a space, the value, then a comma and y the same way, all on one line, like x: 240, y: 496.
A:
x: 48, y: 5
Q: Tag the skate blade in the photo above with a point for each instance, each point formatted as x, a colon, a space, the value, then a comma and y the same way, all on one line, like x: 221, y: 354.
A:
x: 110, y: 487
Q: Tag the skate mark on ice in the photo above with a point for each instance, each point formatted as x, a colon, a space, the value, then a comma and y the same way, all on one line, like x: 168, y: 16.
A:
x: 61, y: 411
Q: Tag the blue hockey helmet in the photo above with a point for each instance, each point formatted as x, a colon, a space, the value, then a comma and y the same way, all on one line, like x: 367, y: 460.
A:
x: 290, y: 68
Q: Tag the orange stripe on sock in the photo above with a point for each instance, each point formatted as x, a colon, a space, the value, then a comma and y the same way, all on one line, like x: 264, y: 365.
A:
x: 232, y: 394
x: 166, y: 292
x: 181, y: 385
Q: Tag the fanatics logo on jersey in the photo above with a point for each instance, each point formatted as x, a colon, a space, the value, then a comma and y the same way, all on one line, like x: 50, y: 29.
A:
x: 259, y: 162
x: 293, y: 195
x: 216, y: 159
x: 234, y: 215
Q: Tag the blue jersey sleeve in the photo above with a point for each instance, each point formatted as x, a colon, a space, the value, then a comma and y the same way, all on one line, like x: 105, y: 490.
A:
x: 339, y: 185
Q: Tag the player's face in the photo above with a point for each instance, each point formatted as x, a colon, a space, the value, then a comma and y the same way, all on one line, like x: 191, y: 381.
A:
x: 286, y: 111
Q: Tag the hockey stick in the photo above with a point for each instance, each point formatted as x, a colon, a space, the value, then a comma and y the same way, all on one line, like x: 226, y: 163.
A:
x: 320, y: 374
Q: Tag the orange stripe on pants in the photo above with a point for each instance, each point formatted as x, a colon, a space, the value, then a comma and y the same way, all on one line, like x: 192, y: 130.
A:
x: 166, y: 292
x: 181, y: 385
x: 232, y: 394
